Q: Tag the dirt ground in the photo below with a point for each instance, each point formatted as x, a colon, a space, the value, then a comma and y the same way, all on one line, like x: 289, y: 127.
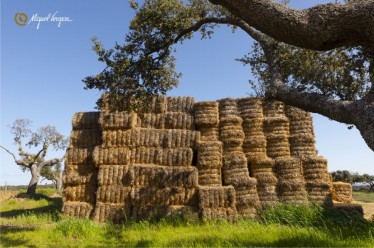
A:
x: 368, y: 209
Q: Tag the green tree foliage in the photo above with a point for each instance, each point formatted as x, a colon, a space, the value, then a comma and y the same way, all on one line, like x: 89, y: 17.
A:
x: 37, y: 143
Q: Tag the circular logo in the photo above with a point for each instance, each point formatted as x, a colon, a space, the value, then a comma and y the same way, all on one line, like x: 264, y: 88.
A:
x: 21, y: 19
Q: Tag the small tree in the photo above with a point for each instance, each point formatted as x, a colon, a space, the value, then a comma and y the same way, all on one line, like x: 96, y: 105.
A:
x: 41, y: 140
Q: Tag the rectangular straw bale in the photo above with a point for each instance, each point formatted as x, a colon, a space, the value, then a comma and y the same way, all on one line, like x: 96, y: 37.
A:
x: 273, y: 108
x: 179, y: 120
x: 210, y: 176
x: 85, y: 138
x: 250, y: 102
x: 180, y: 104
x: 80, y: 170
x: 209, y: 133
x: 161, y: 176
x: 209, y: 153
x: 297, y: 139
x: 206, y: 119
x: 235, y: 161
x: 78, y: 156
x: 113, y: 194
x: 122, y: 175
x: 142, y: 196
x: 207, y: 214
x: 265, y: 178
x: 158, y: 105
x: 152, y: 120
x: 258, y: 141
x: 118, y: 120
x: 86, y: 120
x: 296, y: 113
x: 159, y: 156
x: 238, y: 178
x: 109, y: 156
x: 216, y: 197
x: 77, y: 209
x: 76, y: 179
x: 175, y: 138
x: 82, y: 193
x: 231, y: 120
x: 116, y: 213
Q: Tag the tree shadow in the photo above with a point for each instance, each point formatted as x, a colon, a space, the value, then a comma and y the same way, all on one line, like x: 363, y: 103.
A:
x: 54, y: 205
x: 12, y: 242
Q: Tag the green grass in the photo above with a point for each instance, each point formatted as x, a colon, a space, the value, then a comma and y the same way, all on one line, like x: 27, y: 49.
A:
x: 284, y: 226
x: 363, y: 196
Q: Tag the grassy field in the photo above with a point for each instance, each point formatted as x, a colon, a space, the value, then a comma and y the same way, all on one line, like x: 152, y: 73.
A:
x: 37, y: 222
x: 363, y: 196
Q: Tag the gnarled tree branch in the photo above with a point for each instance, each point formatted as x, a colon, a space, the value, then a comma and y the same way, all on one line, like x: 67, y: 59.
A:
x: 322, y: 27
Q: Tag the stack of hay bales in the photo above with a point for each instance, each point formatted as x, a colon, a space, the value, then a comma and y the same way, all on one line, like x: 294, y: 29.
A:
x: 209, y: 150
x: 80, y: 174
x: 217, y: 203
x: 317, y: 179
x: 254, y: 147
x: 342, y: 192
x: 276, y: 130
x: 254, y: 144
x: 302, y: 141
x: 155, y: 157
x: 291, y: 185
x: 235, y: 166
x: 263, y: 171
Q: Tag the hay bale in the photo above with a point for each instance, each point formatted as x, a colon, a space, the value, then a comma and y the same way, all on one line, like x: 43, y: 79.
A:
x: 78, y: 156
x: 294, y: 113
x: 165, y: 196
x: 151, y: 120
x: 179, y: 120
x: 80, y: 193
x: 210, y: 176
x: 111, y: 156
x: 342, y: 192
x: 85, y: 138
x: 230, y: 120
x: 209, y: 133
x: 262, y: 165
x: 116, y: 213
x: 159, y: 176
x: 206, y: 114
x: 86, y: 120
x: 77, y: 209
x: 113, y: 194
x: 118, y: 120
x: 216, y: 197
x: 180, y: 104
x: 120, y: 175
x: 80, y: 170
x: 209, y: 154
x: 76, y: 179
x: 273, y: 108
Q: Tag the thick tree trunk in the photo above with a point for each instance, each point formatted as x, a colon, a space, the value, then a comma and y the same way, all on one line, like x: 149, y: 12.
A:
x: 321, y: 27
x: 58, y: 184
x: 35, y: 177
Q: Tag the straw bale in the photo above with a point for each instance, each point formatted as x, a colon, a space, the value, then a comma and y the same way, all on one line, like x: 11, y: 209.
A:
x: 216, y: 197
x: 159, y: 176
x: 181, y: 138
x: 250, y: 102
x: 227, y: 101
x: 287, y: 185
x: 115, y: 155
x: 209, y: 153
x: 85, y: 138
x: 257, y: 141
x: 118, y: 120
x: 279, y: 153
x: 143, y: 196
x: 210, y: 176
x: 180, y: 104
x: 78, y: 156
x: 206, y: 105
x: 76, y: 179
x: 116, y: 213
x: 157, y: 105
x: 113, y: 194
x: 82, y: 193
x: 265, y: 178
x: 263, y: 163
x: 230, y: 120
x: 86, y: 120
x: 316, y: 174
x: 77, y: 209
x: 238, y: 178
x: 179, y: 120
x: 80, y: 170
x: 160, y: 156
x: 276, y: 121
x: 209, y: 133
x: 121, y: 175
x: 282, y: 164
x: 273, y: 108
x: 151, y: 120
x: 302, y: 139
x: 250, y: 115
x: 232, y: 148
x: 207, y: 119
x: 296, y: 113
x: 235, y: 160
x: 314, y: 162
x: 207, y: 214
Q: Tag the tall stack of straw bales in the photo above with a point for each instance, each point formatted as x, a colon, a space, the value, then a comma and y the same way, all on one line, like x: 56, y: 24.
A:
x: 80, y: 174
x: 215, y: 159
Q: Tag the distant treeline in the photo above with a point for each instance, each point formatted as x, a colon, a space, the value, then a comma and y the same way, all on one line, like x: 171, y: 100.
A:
x: 349, y: 177
x: 24, y: 187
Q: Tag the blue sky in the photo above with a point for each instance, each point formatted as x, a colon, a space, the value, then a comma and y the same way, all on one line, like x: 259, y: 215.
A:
x: 42, y: 71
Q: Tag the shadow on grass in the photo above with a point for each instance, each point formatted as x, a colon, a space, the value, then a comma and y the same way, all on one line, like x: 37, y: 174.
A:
x: 6, y: 241
x: 54, y: 205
